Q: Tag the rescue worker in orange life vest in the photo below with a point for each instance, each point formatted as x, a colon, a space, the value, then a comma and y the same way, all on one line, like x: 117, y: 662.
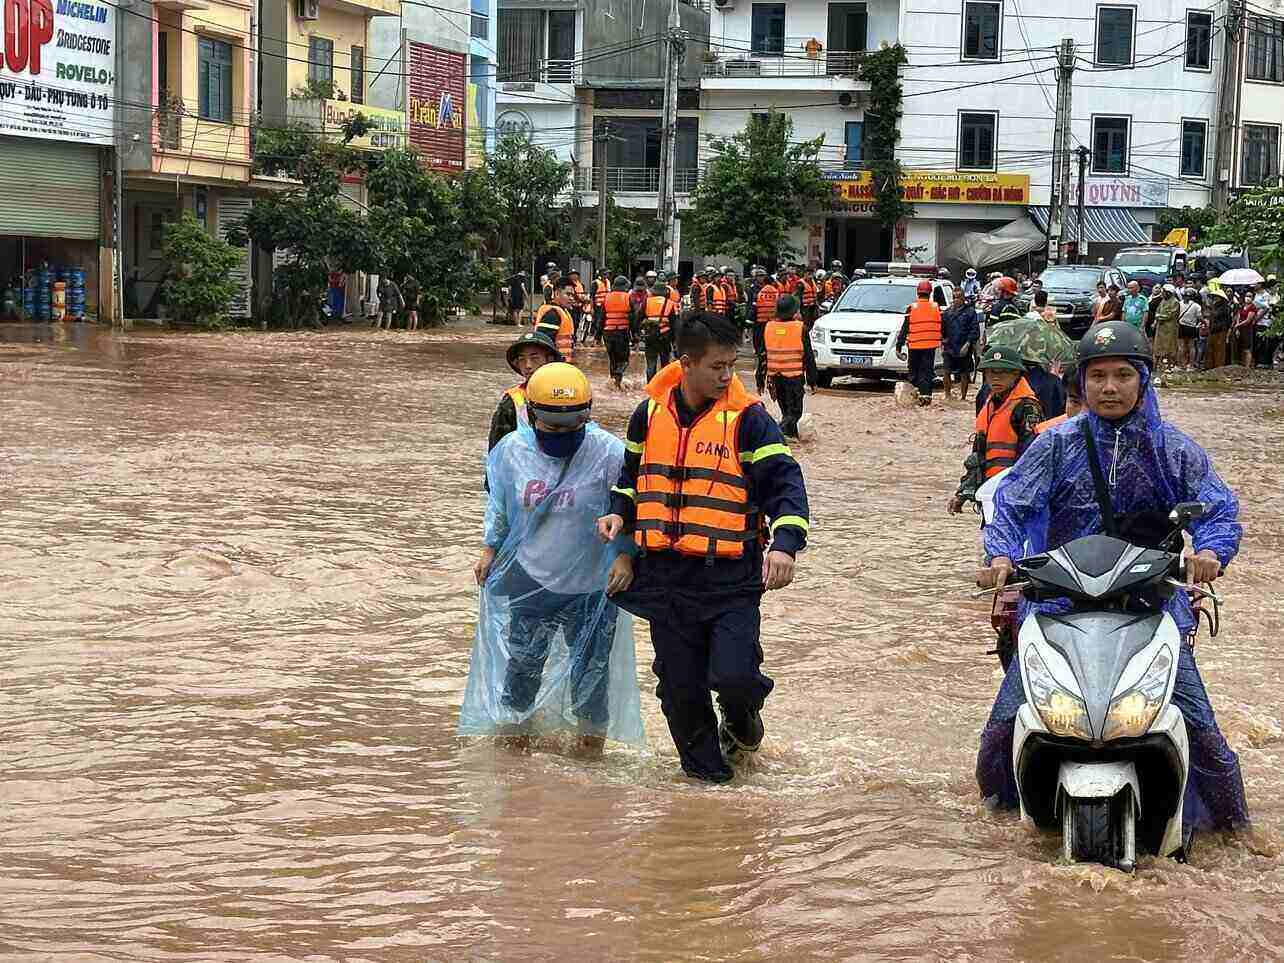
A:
x: 922, y: 330
x: 1005, y: 427
x: 658, y: 315
x: 718, y: 509
x: 526, y: 355
x: 785, y: 338
x: 601, y: 287
x: 616, y: 327
x: 761, y: 310
x: 554, y: 319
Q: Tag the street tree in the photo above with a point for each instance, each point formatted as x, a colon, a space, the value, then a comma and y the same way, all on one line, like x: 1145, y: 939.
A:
x: 526, y: 184
x: 754, y: 191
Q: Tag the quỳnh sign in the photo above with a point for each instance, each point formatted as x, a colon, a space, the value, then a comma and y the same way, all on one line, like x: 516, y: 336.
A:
x: 58, y: 79
x: 436, y: 106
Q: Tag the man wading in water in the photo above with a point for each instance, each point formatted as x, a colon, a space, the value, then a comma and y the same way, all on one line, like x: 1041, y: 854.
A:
x: 705, y: 470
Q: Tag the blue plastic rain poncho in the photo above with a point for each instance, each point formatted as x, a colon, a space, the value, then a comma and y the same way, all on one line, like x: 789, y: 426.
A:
x: 1048, y: 499
x: 551, y: 652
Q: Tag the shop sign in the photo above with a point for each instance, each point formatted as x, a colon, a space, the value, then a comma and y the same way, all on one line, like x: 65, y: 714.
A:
x: 1121, y: 192
x: 57, y: 72
x: 436, y: 95
x: 937, y: 187
x: 388, y: 126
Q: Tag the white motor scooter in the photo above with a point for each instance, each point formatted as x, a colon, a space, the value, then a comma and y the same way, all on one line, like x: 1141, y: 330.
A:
x: 1099, y: 749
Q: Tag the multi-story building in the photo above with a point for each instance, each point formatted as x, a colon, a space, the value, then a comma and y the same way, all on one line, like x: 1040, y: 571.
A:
x: 1251, y: 154
x: 571, y: 73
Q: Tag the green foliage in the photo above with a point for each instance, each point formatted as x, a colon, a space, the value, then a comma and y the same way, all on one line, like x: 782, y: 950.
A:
x: 882, y: 131
x: 1255, y: 222
x: 525, y: 182
x: 197, y: 286
x: 314, y: 89
x: 277, y: 150
x: 754, y: 191
x: 1199, y: 220
x: 628, y: 239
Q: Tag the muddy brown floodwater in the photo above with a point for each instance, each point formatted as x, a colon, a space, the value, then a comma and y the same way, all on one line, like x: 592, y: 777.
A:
x: 236, y: 610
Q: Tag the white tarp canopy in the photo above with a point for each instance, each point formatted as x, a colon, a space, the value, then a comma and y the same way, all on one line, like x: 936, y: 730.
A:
x: 977, y: 249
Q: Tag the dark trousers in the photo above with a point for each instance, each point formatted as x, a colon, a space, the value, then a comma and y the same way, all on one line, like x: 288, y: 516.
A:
x: 1264, y: 349
x: 922, y: 373
x: 617, y: 352
x: 697, y: 651
x: 659, y: 352
x: 760, y: 349
x: 536, y: 616
x: 599, y: 319
x: 789, y: 395
x: 1214, y: 791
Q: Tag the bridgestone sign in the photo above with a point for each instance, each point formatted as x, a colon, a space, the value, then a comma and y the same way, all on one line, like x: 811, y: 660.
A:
x: 58, y: 76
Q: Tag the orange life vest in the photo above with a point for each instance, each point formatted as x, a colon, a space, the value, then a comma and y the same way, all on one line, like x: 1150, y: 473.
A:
x: 833, y: 288
x: 518, y: 394
x: 729, y: 290
x: 658, y: 310
x: 560, y: 328
x: 809, y: 292
x: 675, y: 297
x: 924, y: 325
x: 784, y: 341
x: 692, y: 495
x: 995, y: 426
x: 600, y: 289
x: 1051, y: 423
x: 765, y: 302
x: 617, y: 306
x: 715, y: 298
x: 579, y: 292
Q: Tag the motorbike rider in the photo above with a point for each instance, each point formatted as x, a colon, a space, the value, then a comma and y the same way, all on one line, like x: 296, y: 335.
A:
x: 971, y: 285
x: 1118, y: 468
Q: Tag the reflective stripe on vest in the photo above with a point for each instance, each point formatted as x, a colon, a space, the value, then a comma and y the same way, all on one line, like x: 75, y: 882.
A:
x: 617, y: 306
x: 924, y: 325
x: 729, y: 292
x: 600, y: 289
x: 995, y: 426
x: 765, y: 302
x: 809, y: 292
x: 658, y: 311
x: 675, y: 296
x: 784, y: 341
x: 692, y: 496
x: 715, y: 298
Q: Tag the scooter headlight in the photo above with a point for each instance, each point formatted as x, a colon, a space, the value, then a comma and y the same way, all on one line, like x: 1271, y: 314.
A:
x: 1132, y: 713
x: 1062, y: 712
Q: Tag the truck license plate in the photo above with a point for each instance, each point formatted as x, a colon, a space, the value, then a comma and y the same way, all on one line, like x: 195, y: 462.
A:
x: 856, y: 360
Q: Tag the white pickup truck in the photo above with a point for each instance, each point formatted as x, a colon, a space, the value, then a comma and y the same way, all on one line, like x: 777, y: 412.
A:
x: 857, y: 337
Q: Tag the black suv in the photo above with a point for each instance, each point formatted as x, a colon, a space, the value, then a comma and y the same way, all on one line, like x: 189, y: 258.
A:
x: 1072, y: 289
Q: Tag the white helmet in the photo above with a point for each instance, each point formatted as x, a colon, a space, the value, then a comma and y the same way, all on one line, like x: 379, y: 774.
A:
x: 970, y: 273
x: 820, y: 275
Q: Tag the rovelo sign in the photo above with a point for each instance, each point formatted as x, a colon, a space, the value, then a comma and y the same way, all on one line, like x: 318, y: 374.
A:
x: 437, y: 107
x: 57, y: 76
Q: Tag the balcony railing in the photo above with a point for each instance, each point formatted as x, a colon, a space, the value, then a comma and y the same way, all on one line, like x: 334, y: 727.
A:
x: 518, y: 78
x: 637, y: 180
x: 833, y: 63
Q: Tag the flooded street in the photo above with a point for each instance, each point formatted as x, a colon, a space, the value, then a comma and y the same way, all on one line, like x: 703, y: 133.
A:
x: 237, y: 613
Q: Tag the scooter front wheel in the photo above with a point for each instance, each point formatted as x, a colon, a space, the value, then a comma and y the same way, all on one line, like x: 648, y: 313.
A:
x: 1099, y: 831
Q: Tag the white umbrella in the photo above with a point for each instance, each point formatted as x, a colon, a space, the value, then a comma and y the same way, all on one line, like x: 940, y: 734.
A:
x: 1241, y: 277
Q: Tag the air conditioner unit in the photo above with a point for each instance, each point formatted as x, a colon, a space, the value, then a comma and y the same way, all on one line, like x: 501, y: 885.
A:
x: 725, y: 4
x: 308, y: 9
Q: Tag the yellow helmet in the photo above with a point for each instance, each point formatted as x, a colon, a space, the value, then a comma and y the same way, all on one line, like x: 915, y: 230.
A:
x: 559, y: 394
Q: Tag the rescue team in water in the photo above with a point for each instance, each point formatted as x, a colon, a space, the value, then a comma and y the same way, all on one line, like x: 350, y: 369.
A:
x: 703, y: 508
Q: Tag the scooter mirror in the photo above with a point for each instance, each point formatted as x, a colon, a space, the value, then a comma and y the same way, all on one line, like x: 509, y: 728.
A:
x: 1186, y: 512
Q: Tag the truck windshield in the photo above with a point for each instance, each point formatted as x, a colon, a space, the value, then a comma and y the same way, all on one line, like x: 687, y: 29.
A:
x: 877, y: 298
x: 1156, y: 261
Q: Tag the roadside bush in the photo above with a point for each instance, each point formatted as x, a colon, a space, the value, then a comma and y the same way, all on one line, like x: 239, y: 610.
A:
x: 198, y: 287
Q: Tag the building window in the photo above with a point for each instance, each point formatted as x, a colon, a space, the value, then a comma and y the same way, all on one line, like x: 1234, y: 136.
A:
x: 480, y: 26
x: 1110, y: 145
x: 321, y: 60
x: 768, y: 29
x: 561, y: 36
x: 981, y: 30
x: 853, y: 137
x: 1266, y: 49
x: 1114, y: 36
x: 848, y: 30
x: 1261, y: 154
x: 358, y: 65
x: 976, y: 141
x: 1199, y: 40
x: 1194, y: 136
x: 214, y: 66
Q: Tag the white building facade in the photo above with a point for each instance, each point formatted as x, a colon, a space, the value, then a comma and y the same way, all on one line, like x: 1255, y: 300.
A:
x: 1254, y: 158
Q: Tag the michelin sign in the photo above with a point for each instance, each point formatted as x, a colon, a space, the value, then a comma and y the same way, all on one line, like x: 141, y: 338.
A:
x: 58, y: 77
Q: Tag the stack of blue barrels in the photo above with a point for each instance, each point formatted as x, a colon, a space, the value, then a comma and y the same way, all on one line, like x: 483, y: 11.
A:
x: 29, y: 295
x: 44, y: 293
x: 76, y: 294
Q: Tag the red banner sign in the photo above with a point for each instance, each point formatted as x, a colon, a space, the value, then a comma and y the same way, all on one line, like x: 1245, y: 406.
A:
x: 437, y: 105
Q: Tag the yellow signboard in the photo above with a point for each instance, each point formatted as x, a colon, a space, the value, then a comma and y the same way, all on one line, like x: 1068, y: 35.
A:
x: 475, y: 147
x: 939, y: 187
x: 389, y: 125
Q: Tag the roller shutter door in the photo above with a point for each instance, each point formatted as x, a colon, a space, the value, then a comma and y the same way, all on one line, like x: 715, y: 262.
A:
x: 231, y: 210
x: 49, y: 189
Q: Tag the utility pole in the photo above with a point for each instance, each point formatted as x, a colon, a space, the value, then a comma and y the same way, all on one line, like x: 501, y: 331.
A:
x: 1228, y: 105
x: 1081, y: 245
x: 674, y: 50
x: 118, y: 178
x: 1060, y: 201
x: 603, y: 140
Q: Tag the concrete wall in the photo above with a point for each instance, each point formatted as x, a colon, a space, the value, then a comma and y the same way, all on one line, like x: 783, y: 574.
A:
x: 604, y: 23
x: 731, y: 112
